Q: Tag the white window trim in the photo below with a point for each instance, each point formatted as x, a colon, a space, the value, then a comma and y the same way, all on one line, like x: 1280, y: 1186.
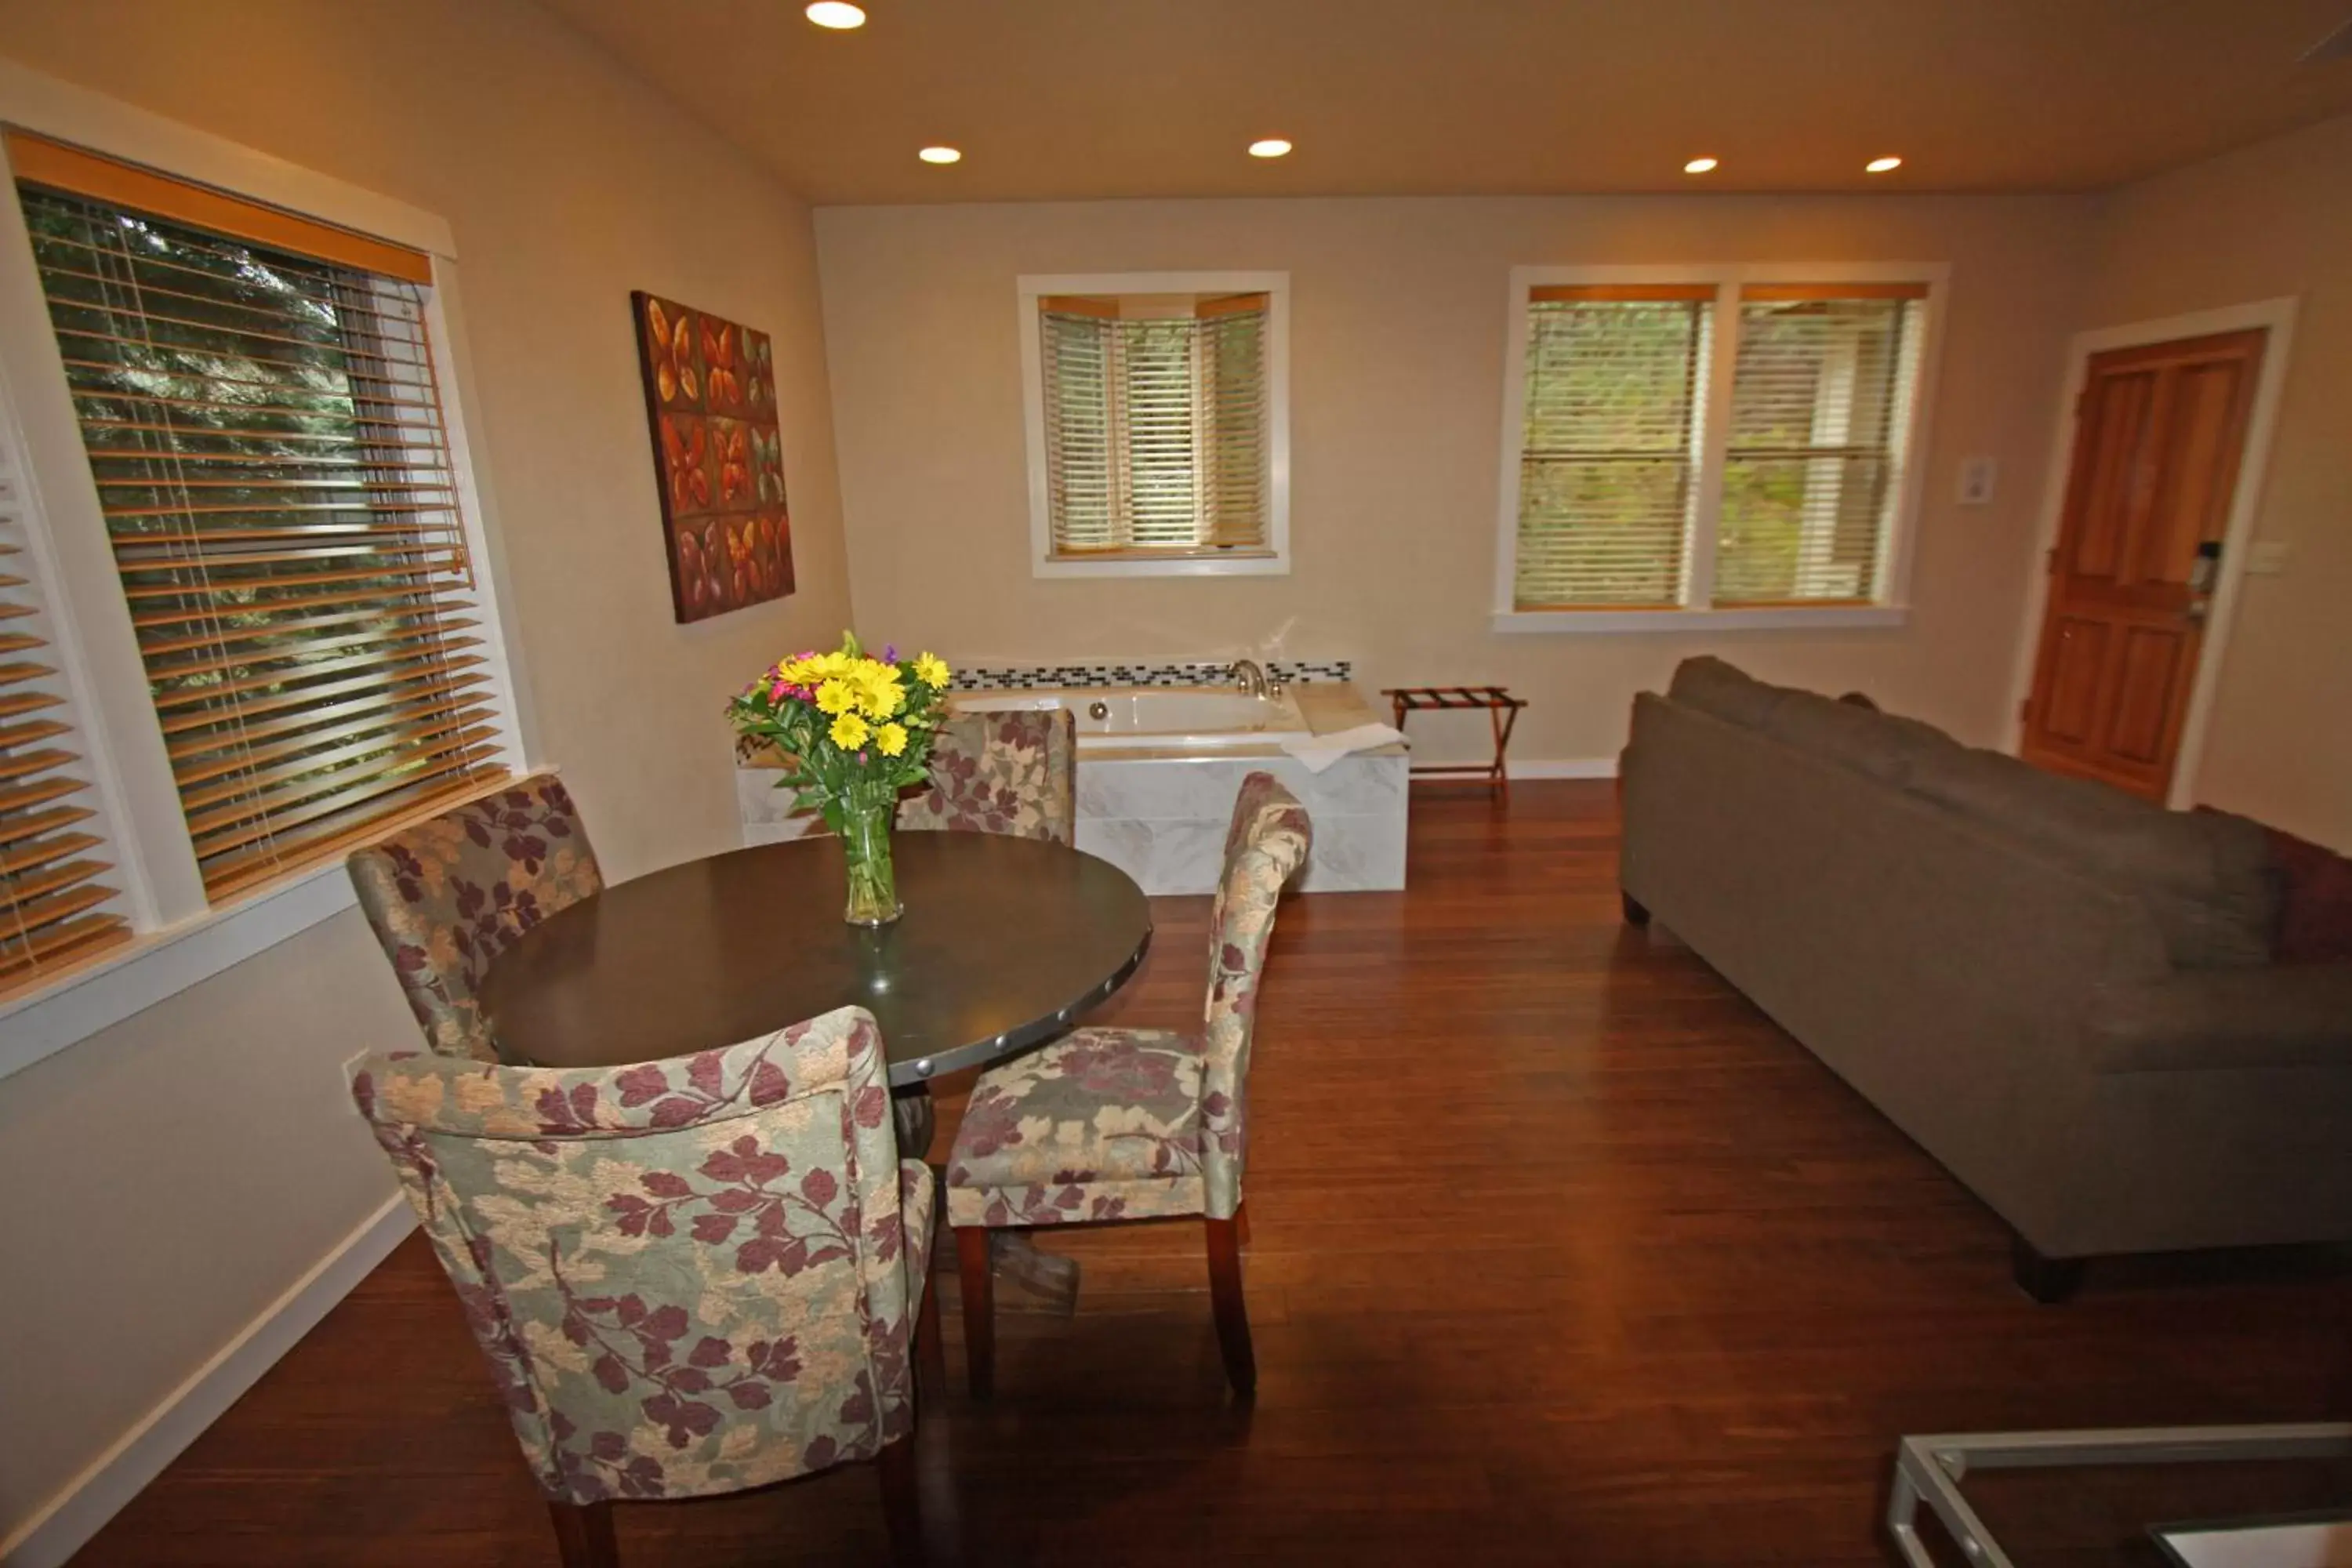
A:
x: 178, y: 938
x: 1893, y: 608
x: 1030, y: 288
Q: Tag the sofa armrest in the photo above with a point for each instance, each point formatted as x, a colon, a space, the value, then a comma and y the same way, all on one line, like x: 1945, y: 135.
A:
x: 2289, y: 1015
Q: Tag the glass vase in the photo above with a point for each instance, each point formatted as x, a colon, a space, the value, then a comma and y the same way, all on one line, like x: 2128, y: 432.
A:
x: 866, y: 851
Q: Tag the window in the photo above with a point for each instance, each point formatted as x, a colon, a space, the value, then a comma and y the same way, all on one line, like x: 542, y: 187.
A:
x: 1819, y: 398
x: 1156, y: 423
x: 58, y: 907
x: 1719, y: 445
x: 1607, y: 462
x: 243, y: 621
x: 257, y: 400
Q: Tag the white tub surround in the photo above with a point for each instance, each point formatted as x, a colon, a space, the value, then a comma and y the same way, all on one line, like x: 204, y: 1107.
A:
x: 1160, y: 815
x: 1157, y: 772
x: 1189, y: 719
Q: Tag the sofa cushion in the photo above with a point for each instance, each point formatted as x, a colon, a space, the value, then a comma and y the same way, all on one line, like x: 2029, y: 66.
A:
x: 2204, y: 877
x: 2226, y: 1020
x: 1883, y: 745
x: 1850, y: 731
x: 1729, y: 693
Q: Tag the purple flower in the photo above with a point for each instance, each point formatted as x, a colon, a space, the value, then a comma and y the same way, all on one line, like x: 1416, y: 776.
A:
x: 889, y: 653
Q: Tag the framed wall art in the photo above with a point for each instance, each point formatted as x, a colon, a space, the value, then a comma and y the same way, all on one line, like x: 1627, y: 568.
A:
x: 710, y: 395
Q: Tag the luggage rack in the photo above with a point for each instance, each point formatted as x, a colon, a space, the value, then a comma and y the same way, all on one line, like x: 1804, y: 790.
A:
x: 1502, y: 711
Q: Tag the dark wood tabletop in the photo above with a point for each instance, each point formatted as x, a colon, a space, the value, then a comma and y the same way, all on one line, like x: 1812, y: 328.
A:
x: 1005, y: 943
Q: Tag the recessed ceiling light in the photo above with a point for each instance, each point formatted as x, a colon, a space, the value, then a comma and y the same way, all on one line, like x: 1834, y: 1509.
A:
x: 1698, y: 165
x: 838, y: 15
x: 1882, y: 166
x: 940, y: 155
x: 1272, y: 147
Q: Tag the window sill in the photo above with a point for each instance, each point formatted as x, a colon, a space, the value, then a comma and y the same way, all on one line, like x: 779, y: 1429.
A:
x: 1255, y: 564
x: 1588, y: 623
x: 159, y: 965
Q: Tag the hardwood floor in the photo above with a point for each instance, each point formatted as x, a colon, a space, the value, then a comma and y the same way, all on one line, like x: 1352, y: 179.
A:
x: 1561, y: 1253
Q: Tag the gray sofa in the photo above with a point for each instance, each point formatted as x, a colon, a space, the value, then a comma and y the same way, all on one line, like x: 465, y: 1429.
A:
x: 2062, y: 993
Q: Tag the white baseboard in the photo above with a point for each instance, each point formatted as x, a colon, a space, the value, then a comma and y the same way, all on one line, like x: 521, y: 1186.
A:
x: 84, y: 1505
x: 1562, y: 768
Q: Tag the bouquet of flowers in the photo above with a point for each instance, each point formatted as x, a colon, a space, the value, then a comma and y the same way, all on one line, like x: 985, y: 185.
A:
x: 855, y: 730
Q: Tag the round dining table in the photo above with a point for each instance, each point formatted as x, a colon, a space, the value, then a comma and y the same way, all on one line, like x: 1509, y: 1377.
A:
x: 1005, y: 944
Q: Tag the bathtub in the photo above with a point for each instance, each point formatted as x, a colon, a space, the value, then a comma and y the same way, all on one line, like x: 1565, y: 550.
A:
x: 1159, y: 766
x: 1186, y: 720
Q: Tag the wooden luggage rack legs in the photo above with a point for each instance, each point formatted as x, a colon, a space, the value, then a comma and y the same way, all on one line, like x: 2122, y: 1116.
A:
x: 1502, y: 714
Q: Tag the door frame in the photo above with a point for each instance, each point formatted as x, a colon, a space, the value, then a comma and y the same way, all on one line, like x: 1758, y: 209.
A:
x: 2245, y: 500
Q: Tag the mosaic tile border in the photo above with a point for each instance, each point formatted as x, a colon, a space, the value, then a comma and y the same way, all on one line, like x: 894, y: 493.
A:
x: 1030, y: 678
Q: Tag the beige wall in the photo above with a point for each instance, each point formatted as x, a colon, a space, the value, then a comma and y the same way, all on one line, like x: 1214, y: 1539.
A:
x: 1397, y: 347
x: 170, y: 1177
x: 2273, y: 219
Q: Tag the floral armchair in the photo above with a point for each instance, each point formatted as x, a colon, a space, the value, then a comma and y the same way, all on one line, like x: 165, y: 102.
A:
x: 1002, y: 772
x: 450, y: 894
x: 688, y: 1277
x: 1121, y: 1124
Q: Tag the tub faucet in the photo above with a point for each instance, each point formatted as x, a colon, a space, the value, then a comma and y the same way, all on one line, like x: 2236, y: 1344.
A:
x: 1252, y: 677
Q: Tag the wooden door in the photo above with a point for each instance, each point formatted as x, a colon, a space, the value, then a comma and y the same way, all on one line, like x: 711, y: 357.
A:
x: 2159, y: 433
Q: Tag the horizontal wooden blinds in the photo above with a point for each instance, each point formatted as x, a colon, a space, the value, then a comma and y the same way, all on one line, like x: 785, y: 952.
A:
x: 57, y: 906
x: 1820, y: 398
x: 1155, y: 427
x: 267, y: 436
x: 1609, y: 447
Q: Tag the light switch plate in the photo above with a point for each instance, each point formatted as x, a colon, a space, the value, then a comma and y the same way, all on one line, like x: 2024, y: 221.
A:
x: 1977, y: 476
x: 2267, y: 558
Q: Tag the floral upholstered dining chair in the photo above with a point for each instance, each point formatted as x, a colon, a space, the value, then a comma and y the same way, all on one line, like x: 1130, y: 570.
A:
x: 1012, y: 772
x: 688, y: 1277
x: 1122, y: 1124
x: 447, y: 895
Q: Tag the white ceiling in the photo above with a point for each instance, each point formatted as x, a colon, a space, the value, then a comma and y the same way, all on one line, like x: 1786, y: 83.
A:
x: 1054, y: 99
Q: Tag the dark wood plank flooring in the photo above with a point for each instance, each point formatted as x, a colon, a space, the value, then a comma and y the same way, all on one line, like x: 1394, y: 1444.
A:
x: 1562, y: 1253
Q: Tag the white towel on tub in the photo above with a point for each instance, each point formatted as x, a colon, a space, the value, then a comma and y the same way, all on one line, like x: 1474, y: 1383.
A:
x: 1319, y: 751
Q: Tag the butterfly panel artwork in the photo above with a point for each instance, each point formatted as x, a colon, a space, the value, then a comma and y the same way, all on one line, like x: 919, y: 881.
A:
x: 710, y: 396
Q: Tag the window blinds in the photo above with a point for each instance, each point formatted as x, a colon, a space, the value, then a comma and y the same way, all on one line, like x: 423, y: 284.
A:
x: 1155, y: 427
x: 1608, y: 450
x: 54, y: 907
x: 1811, y: 470
x: 256, y: 396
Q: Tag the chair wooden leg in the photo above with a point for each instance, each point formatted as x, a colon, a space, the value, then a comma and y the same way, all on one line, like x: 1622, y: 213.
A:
x: 931, y: 1353
x: 979, y: 1275
x: 1225, y: 1295
x: 901, y: 1509
x: 584, y: 1534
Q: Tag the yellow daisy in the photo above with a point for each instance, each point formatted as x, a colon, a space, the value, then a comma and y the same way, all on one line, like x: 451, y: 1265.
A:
x: 931, y: 671
x: 884, y: 696
x: 891, y: 738
x: 848, y: 732
x: 835, y: 696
